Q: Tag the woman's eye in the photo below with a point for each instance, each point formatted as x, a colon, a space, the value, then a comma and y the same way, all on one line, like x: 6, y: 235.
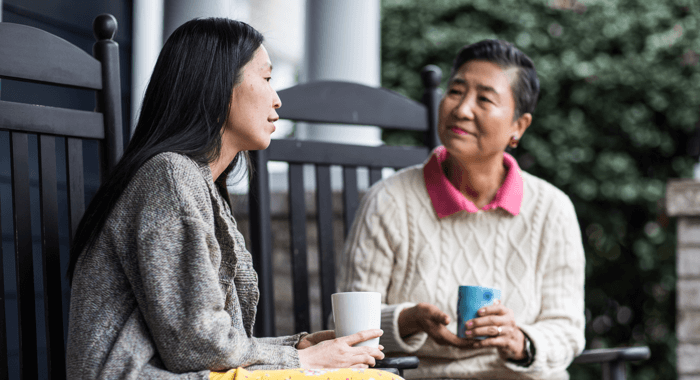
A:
x: 268, y: 78
x: 453, y: 91
x: 484, y: 99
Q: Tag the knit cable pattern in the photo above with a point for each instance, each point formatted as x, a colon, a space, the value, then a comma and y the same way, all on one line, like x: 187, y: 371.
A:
x: 400, y: 248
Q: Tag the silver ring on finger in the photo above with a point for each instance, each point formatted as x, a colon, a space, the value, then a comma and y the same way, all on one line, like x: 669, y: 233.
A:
x: 500, y: 329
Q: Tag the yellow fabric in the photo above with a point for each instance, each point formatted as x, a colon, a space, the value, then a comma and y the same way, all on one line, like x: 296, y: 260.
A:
x: 305, y: 374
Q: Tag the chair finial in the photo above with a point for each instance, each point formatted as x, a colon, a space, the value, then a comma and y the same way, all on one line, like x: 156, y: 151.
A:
x: 431, y: 75
x: 104, y: 27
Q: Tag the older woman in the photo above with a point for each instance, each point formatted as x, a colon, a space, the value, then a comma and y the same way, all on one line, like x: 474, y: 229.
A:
x: 162, y: 284
x: 470, y: 216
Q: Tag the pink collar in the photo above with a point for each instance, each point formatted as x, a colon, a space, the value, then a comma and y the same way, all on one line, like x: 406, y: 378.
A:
x: 447, y: 199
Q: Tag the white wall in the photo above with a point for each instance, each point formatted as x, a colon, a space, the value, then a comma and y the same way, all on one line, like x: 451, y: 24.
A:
x: 146, y: 43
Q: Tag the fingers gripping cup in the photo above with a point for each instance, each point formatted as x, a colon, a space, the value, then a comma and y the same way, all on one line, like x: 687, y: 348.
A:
x: 357, y: 311
x: 469, y: 301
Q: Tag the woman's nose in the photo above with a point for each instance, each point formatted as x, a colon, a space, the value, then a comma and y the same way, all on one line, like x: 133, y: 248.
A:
x: 276, y: 101
x: 463, y: 109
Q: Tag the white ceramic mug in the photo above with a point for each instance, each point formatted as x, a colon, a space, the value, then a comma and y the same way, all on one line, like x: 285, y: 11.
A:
x: 357, y: 311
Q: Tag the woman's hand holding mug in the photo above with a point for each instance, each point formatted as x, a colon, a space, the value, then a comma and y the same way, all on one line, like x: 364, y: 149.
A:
x: 333, y: 352
x: 497, y: 324
x: 433, y: 321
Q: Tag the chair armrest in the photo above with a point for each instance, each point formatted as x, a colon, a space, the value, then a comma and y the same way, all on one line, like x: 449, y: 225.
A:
x: 613, y: 354
x: 404, y: 362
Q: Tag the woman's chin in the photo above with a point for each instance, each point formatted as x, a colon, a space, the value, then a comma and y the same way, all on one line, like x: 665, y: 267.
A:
x: 261, y: 144
x: 461, y: 148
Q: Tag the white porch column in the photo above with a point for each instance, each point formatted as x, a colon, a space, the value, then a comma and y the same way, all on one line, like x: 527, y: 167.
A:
x: 342, y: 43
x: 177, y: 12
x: 683, y: 202
x: 147, y: 42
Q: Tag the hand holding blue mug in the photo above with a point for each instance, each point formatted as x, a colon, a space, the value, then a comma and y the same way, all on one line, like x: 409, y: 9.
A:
x: 494, y: 326
x: 470, y: 300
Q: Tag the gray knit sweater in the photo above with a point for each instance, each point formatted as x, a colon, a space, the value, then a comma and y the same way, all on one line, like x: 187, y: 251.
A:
x: 168, y: 290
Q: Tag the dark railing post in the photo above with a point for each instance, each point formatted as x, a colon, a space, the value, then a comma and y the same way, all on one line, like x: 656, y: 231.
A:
x: 109, y: 98
x: 261, y: 242
x: 431, y: 76
x: 614, y: 370
x: 693, y: 150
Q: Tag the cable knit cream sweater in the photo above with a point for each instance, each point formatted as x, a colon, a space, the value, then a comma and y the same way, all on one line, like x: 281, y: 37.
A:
x: 400, y: 248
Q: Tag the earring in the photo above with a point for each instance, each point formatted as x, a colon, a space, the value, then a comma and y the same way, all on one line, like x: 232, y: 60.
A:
x: 514, y: 140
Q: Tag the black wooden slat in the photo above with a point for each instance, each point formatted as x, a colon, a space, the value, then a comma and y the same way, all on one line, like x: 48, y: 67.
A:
x: 23, y: 255
x: 75, y: 183
x: 351, y: 103
x: 375, y: 175
x: 350, y: 197
x: 3, y: 332
x: 51, y: 258
x: 314, y: 152
x: 53, y: 59
x: 297, y: 227
x: 324, y: 218
x: 261, y: 242
x: 32, y: 118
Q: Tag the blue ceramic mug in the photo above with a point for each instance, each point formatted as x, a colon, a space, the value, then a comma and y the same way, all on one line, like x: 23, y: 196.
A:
x: 470, y: 300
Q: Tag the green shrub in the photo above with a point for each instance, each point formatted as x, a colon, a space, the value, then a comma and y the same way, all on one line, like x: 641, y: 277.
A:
x: 620, y: 97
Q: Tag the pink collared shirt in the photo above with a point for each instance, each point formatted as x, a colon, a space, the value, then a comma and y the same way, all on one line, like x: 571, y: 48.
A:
x: 447, y: 199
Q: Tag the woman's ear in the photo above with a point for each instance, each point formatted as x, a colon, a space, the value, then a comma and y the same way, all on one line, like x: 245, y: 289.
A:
x: 522, y: 123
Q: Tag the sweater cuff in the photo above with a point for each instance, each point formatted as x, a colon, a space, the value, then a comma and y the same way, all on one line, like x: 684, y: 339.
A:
x: 293, y: 357
x: 289, y: 340
x: 537, y: 364
x: 391, y: 340
x: 297, y: 338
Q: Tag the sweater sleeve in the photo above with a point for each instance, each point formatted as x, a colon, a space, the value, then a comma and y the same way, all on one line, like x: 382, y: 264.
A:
x: 558, y: 332
x: 290, y: 340
x: 183, y: 305
x: 377, y: 239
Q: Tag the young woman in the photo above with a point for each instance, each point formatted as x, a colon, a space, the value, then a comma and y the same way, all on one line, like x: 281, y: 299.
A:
x: 162, y: 284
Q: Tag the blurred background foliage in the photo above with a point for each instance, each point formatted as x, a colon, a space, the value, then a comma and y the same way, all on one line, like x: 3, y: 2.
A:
x: 620, y: 97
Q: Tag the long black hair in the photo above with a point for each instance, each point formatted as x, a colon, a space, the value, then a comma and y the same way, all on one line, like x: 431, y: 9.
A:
x: 184, y: 109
